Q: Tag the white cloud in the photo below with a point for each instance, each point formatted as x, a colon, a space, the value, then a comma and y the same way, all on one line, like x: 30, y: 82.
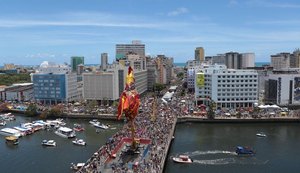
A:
x: 178, y: 11
x: 267, y: 3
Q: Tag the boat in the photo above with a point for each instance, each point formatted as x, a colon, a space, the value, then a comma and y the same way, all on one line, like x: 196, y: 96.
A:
x: 78, y: 128
x: 182, y: 159
x: 65, y: 132
x: 2, y: 123
x: 12, y: 140
x: 50, y: 143
x: 244, y: 151
x: 94, y: 121
x: 10, y: 132
x: 100, y: 125
x: 77, y: 166
x: 97, y: 124
x: 79, y: 142
x: 261, y: 134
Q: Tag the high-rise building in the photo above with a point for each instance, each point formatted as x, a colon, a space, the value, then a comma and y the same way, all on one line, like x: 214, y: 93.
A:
x: 104, y: 61
x: 235, y: 60
x: 135, y: 48
x: 295, y: 59
x: 199, y: 54
x: 75, y: 61
x: 280, y: 61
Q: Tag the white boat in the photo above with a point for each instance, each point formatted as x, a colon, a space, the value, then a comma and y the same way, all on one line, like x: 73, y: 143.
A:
x: 94, y: 121
x: 65, y: 132
x: 79, y: 142
x: 2, y: 123
x: 261, y: 134
x: 77, y: 166
x: 102, y: 126
x: 182, y: 159
x: 50, y: 143
x: 10, y: 132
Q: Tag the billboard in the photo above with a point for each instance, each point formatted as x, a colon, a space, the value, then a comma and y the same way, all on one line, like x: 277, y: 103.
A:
x: 200, y: 80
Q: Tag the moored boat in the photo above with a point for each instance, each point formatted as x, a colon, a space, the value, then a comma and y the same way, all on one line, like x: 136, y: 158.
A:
x: 182, y: 159
x: 50, y: 143
x: 79, y: 142
x: 2, y: 123
x: 65, y: 132
x: 12, y: 140
x: 10, y: 132
x: 244, y: 151
x: 78, y: 128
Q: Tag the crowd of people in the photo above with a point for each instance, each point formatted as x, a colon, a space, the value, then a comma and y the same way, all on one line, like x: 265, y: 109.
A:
x: 155, y: 125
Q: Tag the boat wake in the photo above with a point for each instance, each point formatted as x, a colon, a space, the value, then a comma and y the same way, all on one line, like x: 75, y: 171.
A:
x: 197, y: 153
x: 222, y: 161
x: 219, y: 157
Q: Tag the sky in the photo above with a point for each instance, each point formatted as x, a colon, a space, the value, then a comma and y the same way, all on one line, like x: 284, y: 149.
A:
x: 34, y: 31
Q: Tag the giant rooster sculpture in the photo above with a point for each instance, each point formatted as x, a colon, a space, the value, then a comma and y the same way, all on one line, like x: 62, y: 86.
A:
x: 129, y: 104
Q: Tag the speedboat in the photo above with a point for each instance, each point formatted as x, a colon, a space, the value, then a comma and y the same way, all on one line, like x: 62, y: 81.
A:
x: 102, y: 126
x: 261, y: 134
x: 94, y: 121
x: 79, y: 142
x: 182, y: 159
x: 51, y: 143
x: 244, y: 151
x: 77, y: 166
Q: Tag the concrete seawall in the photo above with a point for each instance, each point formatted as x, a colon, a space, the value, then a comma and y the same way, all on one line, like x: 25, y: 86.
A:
x: 169, y: 141
x: 242, y: 120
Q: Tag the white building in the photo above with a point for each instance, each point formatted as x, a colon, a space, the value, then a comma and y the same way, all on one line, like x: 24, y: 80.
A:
x: 283, y: 88
x: 108, y: 86
x: 228, y: 88
x: 19, y: 92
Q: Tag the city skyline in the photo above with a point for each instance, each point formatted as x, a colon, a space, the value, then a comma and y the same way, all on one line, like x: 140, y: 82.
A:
x: 36, y: 31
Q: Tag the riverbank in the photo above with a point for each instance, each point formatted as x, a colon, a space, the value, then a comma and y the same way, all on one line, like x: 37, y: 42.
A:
x: 183, y: 119
x: 238, y: 120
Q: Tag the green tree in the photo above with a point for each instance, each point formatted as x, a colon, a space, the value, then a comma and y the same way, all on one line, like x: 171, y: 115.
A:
x: 9, y: 79
x: 211, y: 112
x: 180, y: 75
x: 31, y: 110
x: 159, y: 87
x: 55, y: 111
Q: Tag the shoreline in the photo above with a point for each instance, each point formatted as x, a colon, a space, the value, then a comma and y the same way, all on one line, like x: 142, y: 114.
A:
x: 184, y: 119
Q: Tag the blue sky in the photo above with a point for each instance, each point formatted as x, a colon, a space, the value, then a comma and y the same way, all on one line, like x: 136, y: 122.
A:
x: 33, y: 31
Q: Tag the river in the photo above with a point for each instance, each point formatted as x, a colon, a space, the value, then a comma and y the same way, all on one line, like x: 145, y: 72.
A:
x: 31, y: 157
x: 212, y: 147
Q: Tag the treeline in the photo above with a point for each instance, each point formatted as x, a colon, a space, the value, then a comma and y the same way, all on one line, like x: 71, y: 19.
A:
x: 9, y: 79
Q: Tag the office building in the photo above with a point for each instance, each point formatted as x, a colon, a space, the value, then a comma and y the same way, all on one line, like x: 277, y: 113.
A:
x: 228, y: 88
x: 75, y: 61
x: 199, y: 54
x: 104, y: 61
x: 54, y: 84
x: 280, y: 61
x: 283, y: 87
x: 135, y: 48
